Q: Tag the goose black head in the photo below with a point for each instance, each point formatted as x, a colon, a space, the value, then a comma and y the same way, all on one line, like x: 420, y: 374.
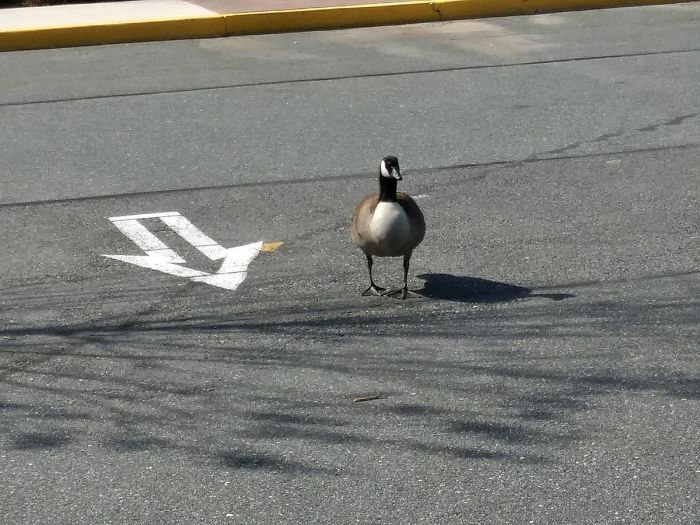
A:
x: 389, y: 168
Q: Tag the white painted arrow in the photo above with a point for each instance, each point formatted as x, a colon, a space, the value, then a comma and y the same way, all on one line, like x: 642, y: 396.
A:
x: 234, y: 268
x: 159, y: 257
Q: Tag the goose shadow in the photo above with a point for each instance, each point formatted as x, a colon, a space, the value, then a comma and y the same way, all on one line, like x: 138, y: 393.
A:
x: 465, y: 289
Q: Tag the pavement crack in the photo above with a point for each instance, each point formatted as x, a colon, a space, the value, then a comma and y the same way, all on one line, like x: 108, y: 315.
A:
x: 676, y: 121
x: 436, y: 7
x: 351, y: 176
x: 344, y: 77
x: 671, y: 122
x: 607, y: 136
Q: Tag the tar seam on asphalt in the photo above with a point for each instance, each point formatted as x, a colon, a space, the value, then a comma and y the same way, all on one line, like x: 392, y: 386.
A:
x: 345, y: 77
x: 350, y: 176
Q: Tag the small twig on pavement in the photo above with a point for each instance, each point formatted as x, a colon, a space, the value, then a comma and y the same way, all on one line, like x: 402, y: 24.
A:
x: 366, y: 398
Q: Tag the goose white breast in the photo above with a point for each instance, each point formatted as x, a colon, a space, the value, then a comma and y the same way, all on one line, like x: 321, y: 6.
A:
x: 389, y: 225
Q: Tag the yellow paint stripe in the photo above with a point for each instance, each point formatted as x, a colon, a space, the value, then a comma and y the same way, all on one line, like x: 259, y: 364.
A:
x: 406, y: 12
x: 330, y: 18
x: 464, y: 9
x: 218, y: 25
x: 271, y: 246
x: 137, y: 31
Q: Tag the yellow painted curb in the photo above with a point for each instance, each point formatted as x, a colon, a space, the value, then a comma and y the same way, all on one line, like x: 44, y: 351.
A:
x: 330, y: 18
x: 405, y: 13
x: 463, y: 9
x: 147, y: 30
x: 218, y: 25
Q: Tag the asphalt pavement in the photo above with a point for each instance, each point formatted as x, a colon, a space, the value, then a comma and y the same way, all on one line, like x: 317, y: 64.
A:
x: 548, y: 374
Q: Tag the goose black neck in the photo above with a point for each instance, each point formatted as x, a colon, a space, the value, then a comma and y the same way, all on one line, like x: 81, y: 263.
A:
x: 387, y: 189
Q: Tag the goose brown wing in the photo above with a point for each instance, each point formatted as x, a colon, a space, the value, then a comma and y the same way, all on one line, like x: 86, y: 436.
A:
x: 359, y: 224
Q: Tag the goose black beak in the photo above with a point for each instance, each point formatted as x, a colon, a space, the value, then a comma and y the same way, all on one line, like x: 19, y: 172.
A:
x: 396, y: 174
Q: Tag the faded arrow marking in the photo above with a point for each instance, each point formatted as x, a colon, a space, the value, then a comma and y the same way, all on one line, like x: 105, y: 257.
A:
x: 154, y: 262
x: 195, y: 237
x: 159, y: 257
x: 234, y: 269
x: 146, y: 240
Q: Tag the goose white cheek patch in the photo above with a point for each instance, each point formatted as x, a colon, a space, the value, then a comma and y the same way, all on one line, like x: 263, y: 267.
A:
x: 385, y: 172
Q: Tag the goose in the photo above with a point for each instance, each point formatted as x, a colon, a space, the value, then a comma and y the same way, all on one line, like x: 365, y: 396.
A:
x: 387, y: 224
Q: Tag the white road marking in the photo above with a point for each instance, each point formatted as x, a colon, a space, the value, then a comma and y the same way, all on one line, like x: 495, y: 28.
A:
x: 194, y: 236
x: 234, y: 267
x: 155, y: 263
x: 144, y: 216
x: 159, y: 257
x: 146, y: 240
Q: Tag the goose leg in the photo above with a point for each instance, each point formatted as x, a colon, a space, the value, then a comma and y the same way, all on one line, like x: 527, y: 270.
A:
x: 373, y: 288
x: 403, y: 291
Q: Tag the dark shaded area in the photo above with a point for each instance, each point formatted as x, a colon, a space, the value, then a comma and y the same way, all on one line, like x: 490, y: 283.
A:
x: 165, y: 379
x: 293, y: 419
x: 40, y: 440
x: 137, y: 444
x: 464, y: 289
x: 40, y: 3
x: 505, y: 432
x: 239, y: 459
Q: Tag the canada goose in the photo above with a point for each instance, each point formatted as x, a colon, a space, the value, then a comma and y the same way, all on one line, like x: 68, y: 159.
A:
x: 387, y: 224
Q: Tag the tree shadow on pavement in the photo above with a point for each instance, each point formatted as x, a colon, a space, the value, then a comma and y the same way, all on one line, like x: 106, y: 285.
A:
x: 272, y: 388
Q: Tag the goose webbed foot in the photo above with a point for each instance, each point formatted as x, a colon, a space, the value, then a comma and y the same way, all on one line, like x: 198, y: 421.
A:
x: 374, y: 290
x: 401, y: 293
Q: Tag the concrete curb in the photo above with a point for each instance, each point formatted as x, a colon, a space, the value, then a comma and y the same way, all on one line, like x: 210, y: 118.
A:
x: 144, y: 31
x: 208, y: 23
